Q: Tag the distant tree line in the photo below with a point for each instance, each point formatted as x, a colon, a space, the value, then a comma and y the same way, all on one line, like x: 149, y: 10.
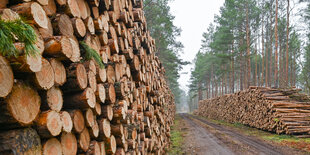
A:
x: 160, y: 24
x: 252, y: 43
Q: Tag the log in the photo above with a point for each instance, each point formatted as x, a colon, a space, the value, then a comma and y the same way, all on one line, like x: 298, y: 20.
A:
x: 52, y: 99
x: 83, y: 6
x: 100, y: 93
x: 81, y: 100
x: 6, y: 77
x: 94, y: 148
x: 89, y: 117
x: 77, y: 78
x: 46, y: 32
x: 67, y: 123
x: 90, y: 66
x: 78, y: 120
x: 94, y: 130
x: 49, y: 124
x: 33, y: 11
x: 104, y: 128
x: 84, y: 140
x: 92, y: 80
x: 45, y: 78
x: 79, y: 27
x: 102, y: 148
x: 23, y: 105
x: 52, y: 147
x: 110, y: 74
x: 89, y: 23
x: 59, y: 72
x: 107, y: 111
x: 21, y: 141
x: 97, y: 109
x: 75, y: 57
x: 26, y: 63
x: 59, y: 47
x: 110, y: 144
x: 110, y: 94
x: 62, y: 25
x: 117, y: 130
x: 49, y: 7
x: 101, y: 75
x: 71, y: 8
x: 69, y: 144
x: 103, y: 36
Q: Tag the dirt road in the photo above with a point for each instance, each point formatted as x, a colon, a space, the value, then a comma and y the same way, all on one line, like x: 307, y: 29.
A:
x: 206, y: 138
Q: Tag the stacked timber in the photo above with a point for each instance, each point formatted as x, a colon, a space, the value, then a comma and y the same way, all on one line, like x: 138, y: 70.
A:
x: 284, y: 111
x: 58, y: 102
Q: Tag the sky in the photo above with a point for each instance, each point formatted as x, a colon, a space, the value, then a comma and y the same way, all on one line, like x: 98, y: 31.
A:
x: 193, y: 17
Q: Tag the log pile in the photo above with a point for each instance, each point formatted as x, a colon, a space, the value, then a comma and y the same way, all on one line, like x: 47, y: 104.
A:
x: 59, y: 103
x: 284, y: 111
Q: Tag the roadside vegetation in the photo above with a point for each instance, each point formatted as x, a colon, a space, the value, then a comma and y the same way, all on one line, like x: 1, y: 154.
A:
x: 286, y: 140
x: 176, y: 137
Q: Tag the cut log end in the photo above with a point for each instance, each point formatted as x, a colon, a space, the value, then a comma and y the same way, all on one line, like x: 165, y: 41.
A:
x: 84, y: 140
x: 69, y: 144
x: 45, y: 78
x: 23, y: 103
x: 52, y: 147
x: 78, y: 120
x: 66, y: 120
x: 54, y: 99
x: 6, y: 77
x: 59, y: 72
x: 81, y: 76
x: 39, y: 15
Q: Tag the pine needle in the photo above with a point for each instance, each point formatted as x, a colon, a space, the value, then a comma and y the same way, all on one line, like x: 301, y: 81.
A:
x: 90, y: 53
x: 10, y: 31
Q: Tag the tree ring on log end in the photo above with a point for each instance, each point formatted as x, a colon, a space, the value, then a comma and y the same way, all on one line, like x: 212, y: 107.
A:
x: 45, y: 78
x: 6, y: 77
x: 52, y: 147
x: 54, y: 123
x: 39, y: 15
x: 69, y: 144
x: 23, y: 103
x: 81, y: 76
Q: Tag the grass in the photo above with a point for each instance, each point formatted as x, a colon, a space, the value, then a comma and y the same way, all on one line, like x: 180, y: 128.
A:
x: 286, y: 140
x: 176, y: 137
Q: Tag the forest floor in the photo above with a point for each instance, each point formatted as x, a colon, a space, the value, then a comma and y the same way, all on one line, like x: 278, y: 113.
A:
x: 200, y: 136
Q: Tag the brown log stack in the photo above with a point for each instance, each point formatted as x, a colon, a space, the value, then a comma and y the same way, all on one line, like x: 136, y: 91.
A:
x: 283, y: 111
x: 59, y: 103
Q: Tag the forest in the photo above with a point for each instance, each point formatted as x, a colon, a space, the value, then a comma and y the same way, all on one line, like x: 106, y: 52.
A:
x: 253, y: 43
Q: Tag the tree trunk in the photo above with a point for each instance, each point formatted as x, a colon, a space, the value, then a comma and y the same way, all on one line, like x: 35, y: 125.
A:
x: 199, y: 91
x: 276, y: 82
x: 287, y: 46
x: 248, y: 47
x: 263, y: 55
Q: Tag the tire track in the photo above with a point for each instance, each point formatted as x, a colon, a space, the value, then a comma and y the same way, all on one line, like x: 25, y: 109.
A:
x: 259, y: 146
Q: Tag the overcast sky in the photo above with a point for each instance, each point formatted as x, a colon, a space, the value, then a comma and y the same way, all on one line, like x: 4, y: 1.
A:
x: 193, y: 17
